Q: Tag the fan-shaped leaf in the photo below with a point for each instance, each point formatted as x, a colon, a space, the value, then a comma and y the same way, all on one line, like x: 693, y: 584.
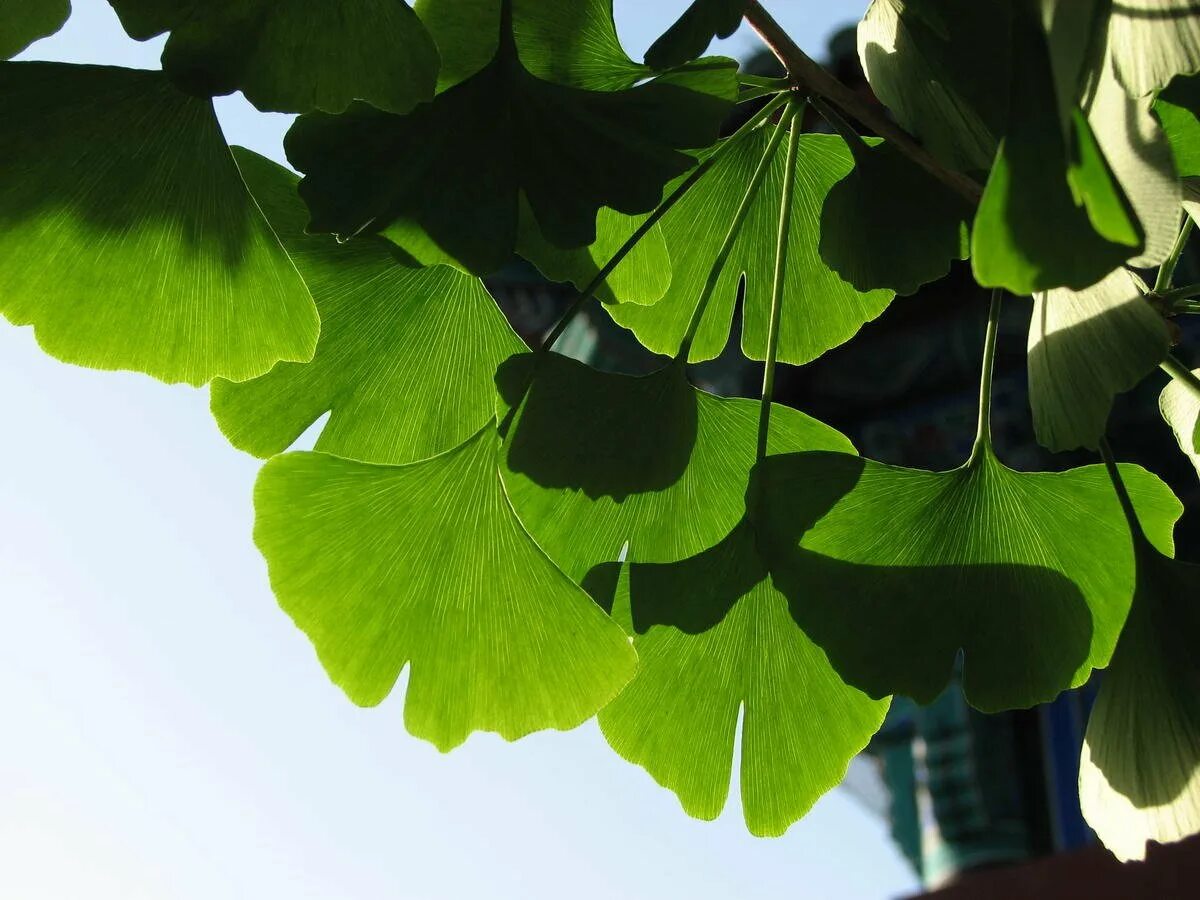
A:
x: 691, y: 34
x: 445, y: 181
x: 26, y: 21
x: 822, y: 310
x: 1030, y: 574
x: 1176, y: 108
x: 127, y: 238
x: 1181, y: 408
x: 1085, y: 347
x: 1153, y: 41
x: 426, y: 565
x: 292, y: 55
x: 405, y: 359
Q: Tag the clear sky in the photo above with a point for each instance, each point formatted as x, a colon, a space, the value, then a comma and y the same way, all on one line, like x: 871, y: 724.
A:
x: 168, y: 733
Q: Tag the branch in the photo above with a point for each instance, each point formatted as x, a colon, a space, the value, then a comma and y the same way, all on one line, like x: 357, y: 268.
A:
x: 809, y: 76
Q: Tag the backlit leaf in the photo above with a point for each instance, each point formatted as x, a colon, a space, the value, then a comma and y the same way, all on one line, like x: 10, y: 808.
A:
x: 127, y: 237
x: 425, y: 565
x: 1180, y: 407
x: 1176, y: 107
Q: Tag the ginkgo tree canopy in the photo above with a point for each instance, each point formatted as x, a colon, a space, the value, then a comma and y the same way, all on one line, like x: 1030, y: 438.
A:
x: 532, y: 540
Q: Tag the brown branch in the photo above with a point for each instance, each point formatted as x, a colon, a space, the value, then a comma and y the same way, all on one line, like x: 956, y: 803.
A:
x: 811, y: 77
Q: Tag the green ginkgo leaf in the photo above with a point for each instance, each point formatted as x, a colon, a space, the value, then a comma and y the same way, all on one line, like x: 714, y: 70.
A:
x: 860, y: 239
x: 446, y: 182
x: 1180, y: 407
x: 292, y: 55
x: 1052, y: 214
x: 715, y: 637
x: 26, y: 21
x: 406, y: 356
x: 643, y: 275
x: 1085, y: 347
x: 1139, y: 774
x: 127, y: 237
x: 596, y: 462
x: 691, y: 34
x: 822, y: 311
x: 1176, y: 107
x: 426, y: 565
x: 1153, y: 41
x: 943, y: 69
x: 893, y: 571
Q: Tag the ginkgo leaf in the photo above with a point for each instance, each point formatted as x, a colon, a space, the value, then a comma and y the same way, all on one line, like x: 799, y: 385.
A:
x: 1180, y: 407
x: 127, y: 237
x: 26, y: 21
x: 594, y: 461
x: 1153, y: 41
x: 406, y: 355
x: 425, y: 565
x: 691, y: 34
x: 445, y: 182
x: 715, y: 637
x: 860, y: 239
x: 1052, y: 214
x: 822, y: 310
x: 1139, y: 772
x: 943, y: 69
x: 1085, y: 347
x: 643, y: 275
x: 1176, y: 108
x: 893, y: 571
x: 292, y: 55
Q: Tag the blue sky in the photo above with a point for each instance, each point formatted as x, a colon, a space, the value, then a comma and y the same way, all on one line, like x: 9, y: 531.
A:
x: 169, y: 734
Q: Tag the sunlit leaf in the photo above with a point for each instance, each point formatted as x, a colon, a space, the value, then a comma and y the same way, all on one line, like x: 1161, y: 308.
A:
x: 822, y: 310
x: 1180, y: 407
x: 405, y: 359
x: 26, y: 21
x: 445, y: 181
x: 691, y: 34
x: 425, y: 565
x: 292, y: 55
x: 127, y: 238
x: 715, y: 638
x: 1139, y: 775
x: 890, y: 224
x: 892, y: 571
x: 1153, y: 41
x: 1085, y: 347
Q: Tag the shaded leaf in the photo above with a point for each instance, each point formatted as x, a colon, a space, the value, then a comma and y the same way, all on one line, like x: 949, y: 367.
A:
x: 943, y: 69
x: 1085, y: 347
x: 643, y: 276
x: 426, y: 565
x: 127, y: 238
x: 822, y: 310
x: 890, y: 224
x: 444, y: 182
x: 1180, y: 407
x: 691, y: 34
x: 1176, y: 108
x: 1153, y: 41
x: 892, y: 571
x: 1139, y: 774
x: 594, y: 461
x: 405, y: 359
x: 292, y: 55
x: 26, y: 21
x: 714, y: 637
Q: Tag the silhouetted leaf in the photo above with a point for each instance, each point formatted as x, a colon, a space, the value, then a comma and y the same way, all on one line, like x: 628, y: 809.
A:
x: 426, y: 565
x: 26, y: 21
x: 1085, y: 347
x: 292, y: 55
x: 822, y: 310
x: 890, y: 224
x: 444, y: 182
x: 127, y: 238
x: 893, y: 570
x: 691, y: 34
x: 405, y: 359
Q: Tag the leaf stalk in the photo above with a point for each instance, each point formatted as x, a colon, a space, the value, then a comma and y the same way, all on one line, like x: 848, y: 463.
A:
x: 983, y: 432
